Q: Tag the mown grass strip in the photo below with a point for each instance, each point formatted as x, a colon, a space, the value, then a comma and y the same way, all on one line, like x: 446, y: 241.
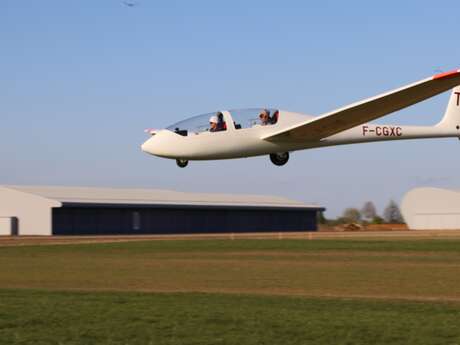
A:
x: 432, y: 245
x: 307, y: 268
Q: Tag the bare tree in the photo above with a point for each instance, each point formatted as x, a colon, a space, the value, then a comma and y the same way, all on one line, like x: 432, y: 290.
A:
x: 392, y: 213
x: 368, y: 211
x: 352, y: 215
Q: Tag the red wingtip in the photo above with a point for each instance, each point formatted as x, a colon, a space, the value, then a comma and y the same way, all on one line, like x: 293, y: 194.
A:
x: 446, y: 74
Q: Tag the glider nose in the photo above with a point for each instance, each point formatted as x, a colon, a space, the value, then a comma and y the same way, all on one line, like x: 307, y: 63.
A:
x: 162, y: 144
x: 148, y: 146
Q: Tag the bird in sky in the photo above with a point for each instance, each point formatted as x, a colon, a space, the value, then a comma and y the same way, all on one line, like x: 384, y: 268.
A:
x: 130, y: 3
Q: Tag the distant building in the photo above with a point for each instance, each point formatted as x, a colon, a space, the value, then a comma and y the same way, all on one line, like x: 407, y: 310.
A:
x: 431, y: 208
x: 52, y: 210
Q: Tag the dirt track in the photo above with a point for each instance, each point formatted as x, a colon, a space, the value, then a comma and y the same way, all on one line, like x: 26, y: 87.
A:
x: 388, y: 235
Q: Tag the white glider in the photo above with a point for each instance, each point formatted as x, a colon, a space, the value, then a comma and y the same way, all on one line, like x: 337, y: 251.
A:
x: 254, y: 132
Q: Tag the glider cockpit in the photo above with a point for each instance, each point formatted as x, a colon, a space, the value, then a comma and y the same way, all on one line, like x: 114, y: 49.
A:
x: 225, y: 120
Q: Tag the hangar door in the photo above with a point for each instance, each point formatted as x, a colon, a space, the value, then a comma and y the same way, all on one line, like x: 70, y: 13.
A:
x: 148, y: 220
x: 8, y: 226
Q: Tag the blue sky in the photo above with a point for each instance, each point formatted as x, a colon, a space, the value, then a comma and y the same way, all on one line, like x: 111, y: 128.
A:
x: 80, y: 80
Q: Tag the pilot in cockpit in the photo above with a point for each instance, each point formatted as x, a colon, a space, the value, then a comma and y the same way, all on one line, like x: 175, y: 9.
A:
x: 213, y: 124
x: 217, y: 123
x: 264, y: 117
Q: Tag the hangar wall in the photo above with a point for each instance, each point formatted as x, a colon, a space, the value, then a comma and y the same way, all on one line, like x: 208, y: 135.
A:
x: 33, y: 212
x: 6, y: 227
x: 431, y: 209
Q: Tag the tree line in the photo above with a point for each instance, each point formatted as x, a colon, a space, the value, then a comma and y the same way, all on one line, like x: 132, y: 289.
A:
x: 367, y: 215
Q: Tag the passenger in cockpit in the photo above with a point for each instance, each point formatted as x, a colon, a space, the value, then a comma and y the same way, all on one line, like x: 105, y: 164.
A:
x: 221, y: 125
x: 275, y: 117
x: 264, y: 117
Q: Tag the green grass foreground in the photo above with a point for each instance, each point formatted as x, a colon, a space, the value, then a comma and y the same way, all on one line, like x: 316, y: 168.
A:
x: 232, y: 292
x: 34, y: 317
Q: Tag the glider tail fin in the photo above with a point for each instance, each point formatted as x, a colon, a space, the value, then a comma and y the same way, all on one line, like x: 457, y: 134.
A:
x: 451, y: 118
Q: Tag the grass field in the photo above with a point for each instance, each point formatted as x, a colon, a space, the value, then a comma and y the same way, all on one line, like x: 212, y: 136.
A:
x: 232, y: 292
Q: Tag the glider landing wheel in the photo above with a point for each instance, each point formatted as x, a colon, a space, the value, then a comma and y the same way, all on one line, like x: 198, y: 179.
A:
x: 182, y: 163
x: 280, y: 158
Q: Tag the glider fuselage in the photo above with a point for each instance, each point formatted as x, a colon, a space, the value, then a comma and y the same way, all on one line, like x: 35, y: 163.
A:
x: 248, y: 142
